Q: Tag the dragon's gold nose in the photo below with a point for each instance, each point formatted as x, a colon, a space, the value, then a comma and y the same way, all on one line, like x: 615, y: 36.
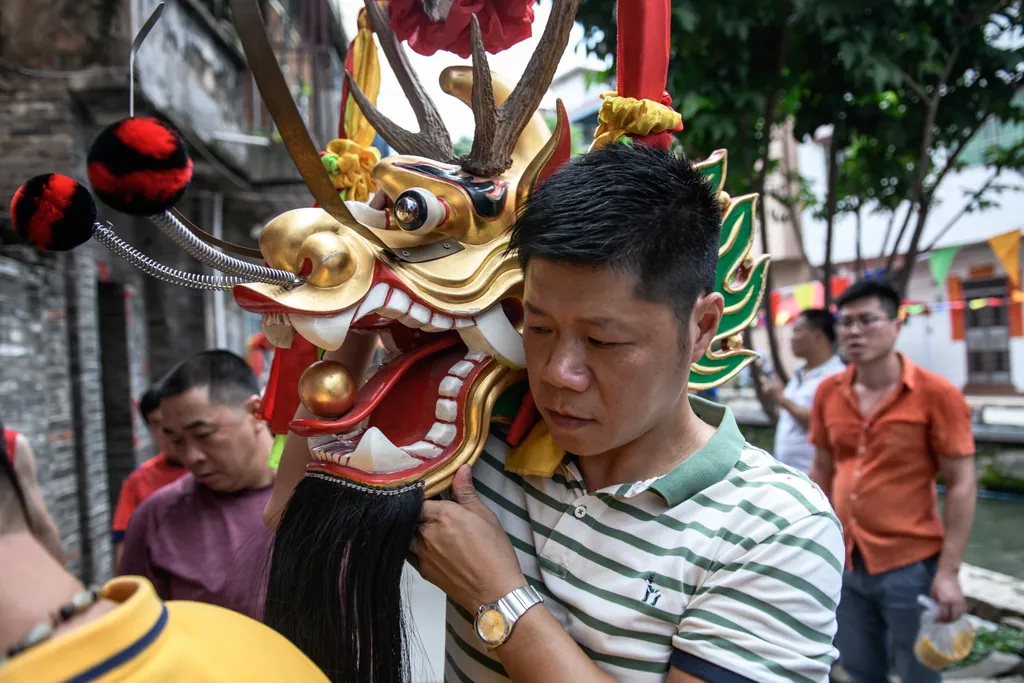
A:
x: 326, y: 259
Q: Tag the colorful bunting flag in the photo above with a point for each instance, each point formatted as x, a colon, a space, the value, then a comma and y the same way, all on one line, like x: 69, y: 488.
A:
x: 804, y: 295
x: 939, y: 261
x: 1007, y: 249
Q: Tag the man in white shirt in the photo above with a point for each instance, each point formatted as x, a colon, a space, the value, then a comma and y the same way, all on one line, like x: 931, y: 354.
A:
x: 813, y: 340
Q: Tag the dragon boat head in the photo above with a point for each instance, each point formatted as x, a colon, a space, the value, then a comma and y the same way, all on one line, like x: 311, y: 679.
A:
x: 425, y: 265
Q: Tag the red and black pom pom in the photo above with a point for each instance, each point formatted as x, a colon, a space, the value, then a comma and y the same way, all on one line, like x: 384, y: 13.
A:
x: 139, y: 166
x: 53, y: 212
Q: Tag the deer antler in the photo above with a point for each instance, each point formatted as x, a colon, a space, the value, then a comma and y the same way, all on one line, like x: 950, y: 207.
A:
x: 432, y: 140
x: 498, y: 128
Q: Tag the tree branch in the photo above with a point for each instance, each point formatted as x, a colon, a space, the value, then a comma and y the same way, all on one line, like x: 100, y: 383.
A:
x: 964, y: 209
x: 951, y: 162
x: 923, y: 163
x: 795, y: 221
x: 914, y: 85
x: 830, y: 210
x: 888, y: 232
x: 860, y: 257
x: 899, y: 236
x: 771, y: 105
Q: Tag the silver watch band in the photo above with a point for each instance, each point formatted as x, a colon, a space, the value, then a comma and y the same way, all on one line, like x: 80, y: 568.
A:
x: 515, y: 603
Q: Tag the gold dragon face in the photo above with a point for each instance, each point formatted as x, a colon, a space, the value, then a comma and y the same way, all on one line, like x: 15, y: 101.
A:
x: 424, y: 265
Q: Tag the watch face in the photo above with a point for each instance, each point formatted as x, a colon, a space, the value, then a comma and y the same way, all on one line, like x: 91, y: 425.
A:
x: 492, y: 627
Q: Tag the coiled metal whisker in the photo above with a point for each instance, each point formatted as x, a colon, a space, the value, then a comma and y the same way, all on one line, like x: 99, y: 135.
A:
x: 105, y: 235
x: 207, y: 255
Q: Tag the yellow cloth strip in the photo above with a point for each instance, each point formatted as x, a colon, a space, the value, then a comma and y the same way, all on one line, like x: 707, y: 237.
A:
x: 628, y: 116
x: 366, y: 71
x: 538, y: 455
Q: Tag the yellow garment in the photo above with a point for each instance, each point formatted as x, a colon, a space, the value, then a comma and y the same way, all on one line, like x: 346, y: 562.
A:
x: 538, y: 455
x: 366, y: 71
x: 627, y: 116
x: 144, y: 639
x: 353, y: 176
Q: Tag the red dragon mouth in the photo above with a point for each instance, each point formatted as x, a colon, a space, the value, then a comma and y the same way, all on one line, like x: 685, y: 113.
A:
x: 394, y: 431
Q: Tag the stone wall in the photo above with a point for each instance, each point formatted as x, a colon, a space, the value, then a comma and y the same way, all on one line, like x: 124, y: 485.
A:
x: 82, y: 335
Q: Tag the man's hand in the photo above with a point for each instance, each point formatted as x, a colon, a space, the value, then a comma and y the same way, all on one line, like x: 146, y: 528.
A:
x: 946, y: 592
x: 461, y: 548
x: 772, y: 388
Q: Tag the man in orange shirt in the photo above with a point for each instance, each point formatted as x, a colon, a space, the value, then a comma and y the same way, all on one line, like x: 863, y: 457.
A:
x: 882, y: 431
x: 151, y: 476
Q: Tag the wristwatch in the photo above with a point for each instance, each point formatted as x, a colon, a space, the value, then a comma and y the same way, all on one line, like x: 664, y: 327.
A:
x: 495, y: 621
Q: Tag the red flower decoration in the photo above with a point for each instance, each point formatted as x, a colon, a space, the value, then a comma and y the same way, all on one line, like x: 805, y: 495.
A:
x: 503, y: 23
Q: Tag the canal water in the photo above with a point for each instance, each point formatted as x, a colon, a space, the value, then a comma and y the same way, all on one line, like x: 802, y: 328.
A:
x: 997, y: 537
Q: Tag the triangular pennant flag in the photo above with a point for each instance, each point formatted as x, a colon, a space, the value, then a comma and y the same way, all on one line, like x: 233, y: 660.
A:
x: 804, y: 295
x: 939, y: 261
x: 1007, y: 250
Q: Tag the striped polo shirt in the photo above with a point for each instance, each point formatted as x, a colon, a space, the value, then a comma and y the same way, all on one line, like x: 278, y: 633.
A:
x: 728, y: 567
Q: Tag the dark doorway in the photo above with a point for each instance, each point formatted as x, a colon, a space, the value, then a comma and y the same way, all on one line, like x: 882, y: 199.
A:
x: 117, y: 388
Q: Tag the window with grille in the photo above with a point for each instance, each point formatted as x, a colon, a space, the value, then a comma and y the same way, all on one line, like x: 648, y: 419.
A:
x: 987, y: 333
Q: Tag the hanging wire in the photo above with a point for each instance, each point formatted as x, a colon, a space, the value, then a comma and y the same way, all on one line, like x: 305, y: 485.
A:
x: 136, y: 44
x: 105, y: 235
x: 206, y: 254
x: 44, y: 73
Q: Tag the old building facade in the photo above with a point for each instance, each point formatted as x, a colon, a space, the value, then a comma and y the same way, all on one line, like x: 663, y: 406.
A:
x: 83, y: 334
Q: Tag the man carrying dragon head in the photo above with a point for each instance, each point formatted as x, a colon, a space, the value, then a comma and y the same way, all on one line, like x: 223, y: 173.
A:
x: 543, y: 320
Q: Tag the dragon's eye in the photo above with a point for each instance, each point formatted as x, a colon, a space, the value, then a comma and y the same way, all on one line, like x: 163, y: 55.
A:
x: 418, y: 211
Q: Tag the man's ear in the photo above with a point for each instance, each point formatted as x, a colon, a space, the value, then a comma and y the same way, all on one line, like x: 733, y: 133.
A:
x: 707, y: 313
x: 253, y: 405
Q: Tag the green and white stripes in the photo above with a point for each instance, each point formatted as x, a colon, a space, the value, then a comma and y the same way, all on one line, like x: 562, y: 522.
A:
x: 737, y: 562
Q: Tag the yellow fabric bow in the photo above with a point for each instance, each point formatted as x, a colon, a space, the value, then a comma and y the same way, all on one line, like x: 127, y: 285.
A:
x: 538, y: 455
x: 628, y: 116
x: 350, y: 166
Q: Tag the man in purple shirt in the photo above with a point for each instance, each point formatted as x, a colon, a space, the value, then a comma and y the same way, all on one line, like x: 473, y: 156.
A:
x: 202, y: 538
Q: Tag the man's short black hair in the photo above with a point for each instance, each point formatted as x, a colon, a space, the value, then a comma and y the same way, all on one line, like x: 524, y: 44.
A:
x: 872, y: 289
x: 149, y: 402
x: 641, y: 210
x: 820, y: 319
x: 229, y: 379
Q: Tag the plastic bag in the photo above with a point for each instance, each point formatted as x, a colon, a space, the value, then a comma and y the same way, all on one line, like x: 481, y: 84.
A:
x: 940, y: 644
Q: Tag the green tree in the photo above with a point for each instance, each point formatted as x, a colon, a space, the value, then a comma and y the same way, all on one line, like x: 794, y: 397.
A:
x: 936, y: 73
x: 905, y: 86
x: 730, y: 79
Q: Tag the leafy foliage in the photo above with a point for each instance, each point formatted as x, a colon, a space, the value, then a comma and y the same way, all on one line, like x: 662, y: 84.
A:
x: 1003, y: 639
x: 905, y: 86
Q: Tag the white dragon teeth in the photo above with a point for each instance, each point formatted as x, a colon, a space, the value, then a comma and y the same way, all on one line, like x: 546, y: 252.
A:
x: 373, y: 300
x: 450, y: 387
x: 441, y: 434
x: 397, y: 305
x: 376, y: 454
x: 439, y: 323
x: 422, y: 449
x: 278, y: 330
x: 446, y: 410
x: 494, y: 335
x: 461, y: 369
x: 418, y: 316
x: 327, y: 332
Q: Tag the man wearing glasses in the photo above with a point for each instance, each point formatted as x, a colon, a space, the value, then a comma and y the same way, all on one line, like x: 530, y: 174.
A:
x: 883, y: 430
